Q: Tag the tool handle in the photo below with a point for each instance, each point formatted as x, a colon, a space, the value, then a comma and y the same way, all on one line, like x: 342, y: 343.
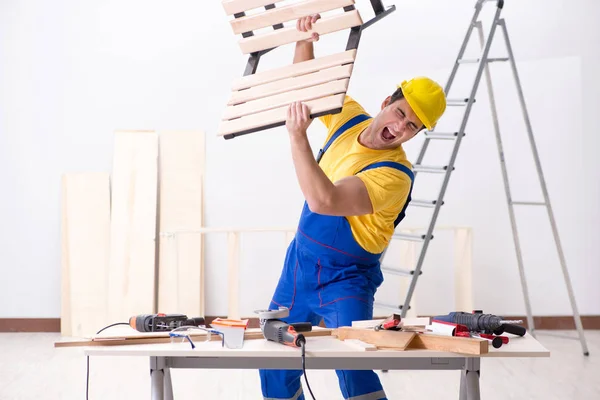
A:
x: 302, y: 326
x: 290, y: 337
x: 515, y: 329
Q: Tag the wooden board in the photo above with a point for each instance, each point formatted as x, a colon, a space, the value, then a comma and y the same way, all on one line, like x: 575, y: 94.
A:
x: 284, y: 99
x: 233, y: 269
x: 286, y: 13
x: 360, y: 345
x: 236, y: 6
x: 405, y: 322
x: 397, y: 340
x: 283, y: 36
x: 133, y: 225
x: 463, y: 270
x: 181, y: 177
x: 288, y: 71
x: 401, y: 340
x: 65, y: 281
x: 450, y: 343
x: 85, y: 248
x: 162, y: 337
x: 288, y: 84
x: 278, y: 115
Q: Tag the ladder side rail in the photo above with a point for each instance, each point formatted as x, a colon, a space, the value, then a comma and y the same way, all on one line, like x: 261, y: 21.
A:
x: 448, y: 86
x: 559, y: 248
x: 482, y: 63
x: 507, y: 191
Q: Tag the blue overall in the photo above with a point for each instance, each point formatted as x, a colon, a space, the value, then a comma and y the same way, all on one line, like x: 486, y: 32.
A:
x: 328, y: 275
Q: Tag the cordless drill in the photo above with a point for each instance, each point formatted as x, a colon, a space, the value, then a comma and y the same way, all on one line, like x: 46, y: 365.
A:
x: 162, y: 322
x: 480, y: 322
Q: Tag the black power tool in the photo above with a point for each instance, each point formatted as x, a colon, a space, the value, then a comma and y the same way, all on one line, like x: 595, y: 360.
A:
x: 276, y: 330
x: 486, y: 323
x: 162, y: 322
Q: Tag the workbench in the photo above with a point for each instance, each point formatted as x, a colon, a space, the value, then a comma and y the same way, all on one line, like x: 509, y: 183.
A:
x: 323, y: 352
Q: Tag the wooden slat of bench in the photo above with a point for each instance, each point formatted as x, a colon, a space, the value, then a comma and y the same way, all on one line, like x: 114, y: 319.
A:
x: 301, y: 68
x: 236, y: 6
x: 283, y: 99
x: 285, y: 13
x: 278, y: 115
x: 283, y: 36
x: 285, y: 85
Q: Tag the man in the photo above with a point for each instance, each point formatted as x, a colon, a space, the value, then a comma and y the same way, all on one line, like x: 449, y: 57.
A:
x: 356, y: 193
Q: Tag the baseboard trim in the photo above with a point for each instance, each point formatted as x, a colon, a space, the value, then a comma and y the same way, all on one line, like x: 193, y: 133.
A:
x: 558, y: 322
x: 29, y: 324
x: 541, y: 323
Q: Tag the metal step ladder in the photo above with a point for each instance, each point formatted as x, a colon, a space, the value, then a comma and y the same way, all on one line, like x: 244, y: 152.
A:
x: 482, y: 62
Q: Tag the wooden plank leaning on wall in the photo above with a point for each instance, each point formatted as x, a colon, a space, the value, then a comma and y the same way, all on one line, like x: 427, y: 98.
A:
x: 133, y: 225
x: 181, y: 177
x: 85, y: 230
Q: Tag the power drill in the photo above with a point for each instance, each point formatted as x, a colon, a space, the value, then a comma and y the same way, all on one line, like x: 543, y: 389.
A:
x: 480, y: 322
x: 279, y: 331
x: 162, y: 322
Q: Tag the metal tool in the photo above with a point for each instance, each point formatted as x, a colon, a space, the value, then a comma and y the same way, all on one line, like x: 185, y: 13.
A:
x: 274, y: 329
x: 481, y: 64
x: 483, y: 323
x: 390, y: 323
x: 162, y: 322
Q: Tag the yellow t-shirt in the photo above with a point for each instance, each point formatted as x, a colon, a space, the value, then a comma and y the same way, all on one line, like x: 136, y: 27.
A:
x: 388, y: 187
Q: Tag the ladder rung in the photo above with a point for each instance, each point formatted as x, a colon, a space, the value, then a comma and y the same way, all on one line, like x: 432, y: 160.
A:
x: 498, y: 59
x: 410, y: 237
x: 424, y: 203
x: 401, y: 272
x: 429, y: 168
x: 458, y: 102
x: 477, y: 60
x: 389, y: 306
x: 529, y: 203
x: 442, y: 135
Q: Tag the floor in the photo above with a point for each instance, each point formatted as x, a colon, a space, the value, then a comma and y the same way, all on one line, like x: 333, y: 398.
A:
x: 31, y: 368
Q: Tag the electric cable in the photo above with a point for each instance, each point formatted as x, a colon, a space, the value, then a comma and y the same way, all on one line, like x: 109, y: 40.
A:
x: 87, y: 373
x: 302, y: 344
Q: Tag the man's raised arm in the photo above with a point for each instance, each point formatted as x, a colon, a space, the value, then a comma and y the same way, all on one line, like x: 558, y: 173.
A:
x: 304, y: 48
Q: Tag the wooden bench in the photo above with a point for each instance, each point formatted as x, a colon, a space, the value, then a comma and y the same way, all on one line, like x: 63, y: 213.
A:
x: 259, y: 100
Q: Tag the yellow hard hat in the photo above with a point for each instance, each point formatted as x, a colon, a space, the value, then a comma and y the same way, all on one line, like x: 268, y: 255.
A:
x: 427, y: 99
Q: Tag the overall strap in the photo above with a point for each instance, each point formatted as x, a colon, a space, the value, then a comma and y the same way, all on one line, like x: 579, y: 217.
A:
x: 347, y: 125
x: 391, y: 164
x: 399, y: 167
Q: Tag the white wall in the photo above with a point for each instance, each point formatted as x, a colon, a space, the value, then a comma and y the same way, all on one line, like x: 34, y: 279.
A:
x: 72, y: 72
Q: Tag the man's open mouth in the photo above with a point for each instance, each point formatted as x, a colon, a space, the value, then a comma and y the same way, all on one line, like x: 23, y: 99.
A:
x: 387, y: 134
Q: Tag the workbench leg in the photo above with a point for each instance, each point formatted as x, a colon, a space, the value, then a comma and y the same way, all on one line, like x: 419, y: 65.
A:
x: 157, y: 378
x: 471, y: 378
x: 463, y: 385
x: 168, y: 384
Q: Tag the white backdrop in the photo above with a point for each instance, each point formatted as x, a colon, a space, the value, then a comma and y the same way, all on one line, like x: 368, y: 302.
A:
x: 73, y: 72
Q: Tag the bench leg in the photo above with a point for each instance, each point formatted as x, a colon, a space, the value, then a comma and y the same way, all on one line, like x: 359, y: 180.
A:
x: 168, y: 384
x: 463, y: 385
x: 157, y: 378
x: 469, y: 380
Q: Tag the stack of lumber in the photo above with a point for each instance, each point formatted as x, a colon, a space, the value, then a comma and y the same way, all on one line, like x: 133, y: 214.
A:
x: 408, y: 340
x: 413, y: 335
x: 114, y: 262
